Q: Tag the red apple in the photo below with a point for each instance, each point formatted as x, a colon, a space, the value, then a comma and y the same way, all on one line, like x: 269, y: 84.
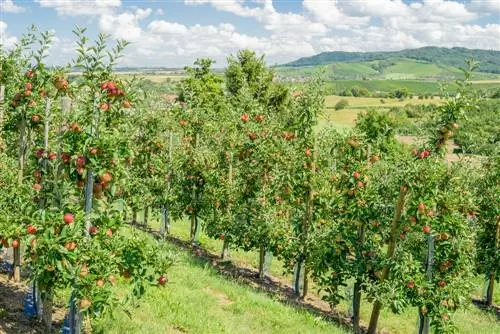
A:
x: 68, y: 218
x: 162, y: 280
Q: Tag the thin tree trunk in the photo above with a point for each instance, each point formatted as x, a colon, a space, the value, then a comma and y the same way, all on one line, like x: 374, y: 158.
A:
x: 146, y: 216
x: 20, y: 178
x: 134, y: 216
x: 424, y: 321
x: 356, y: 306
x: 225, y: 250
x: 262, y: 254
x: 491, y: 279
x: 356, y: 302
x: 377, y: 306
x: 47, y: 302
x: 298, y: 277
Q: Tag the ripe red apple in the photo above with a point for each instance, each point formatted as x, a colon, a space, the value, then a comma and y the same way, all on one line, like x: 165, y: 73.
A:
x: 39, y: 153
x: 99, y: 283
x: 28, y: 86
x: 35, y: 118
x: 80, y: 170
x: 31, y: 229
x: 15, y: 243
x: 37, y: 174
x: 61, y: 83
x: 360, y: 184
x: 111, y: 85
x: 356, y: 175
x: 259, y: 118
x: 430, y: 213
x: 30, y: 74
x: 421, y: 207
x: 402, y: 236
x: 70, y: 245
x: 410, y: 285
x: 80, y: 161
x: 426, y: 229
x: 37, y: 187
x: 93, y: 230
x: 104, y: 106
x: 52, y: 156
x: 162, y: 280
x: 93, y: 150
x: 245, y: 117
x: 106, y: 177
x: 109, y: 233
x: 27, y: 93
x: 69, y: 218
x: 183, y: 122
x: 441, y: 284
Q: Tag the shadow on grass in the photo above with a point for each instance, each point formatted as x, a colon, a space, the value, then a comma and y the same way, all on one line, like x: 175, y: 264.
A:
x: 248, y: 276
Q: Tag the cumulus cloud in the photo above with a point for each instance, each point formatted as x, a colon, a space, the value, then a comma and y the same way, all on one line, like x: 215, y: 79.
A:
x: 316, y: 26
x: 5, y: 40
x: 125, y: 25
x: 81, y: 7
x: 8, y: 6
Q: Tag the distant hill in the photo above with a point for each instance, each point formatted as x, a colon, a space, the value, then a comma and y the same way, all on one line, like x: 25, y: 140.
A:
x: 422, y: 62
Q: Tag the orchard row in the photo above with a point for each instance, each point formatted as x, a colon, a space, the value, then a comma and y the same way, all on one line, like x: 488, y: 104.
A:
x: 245, y: 159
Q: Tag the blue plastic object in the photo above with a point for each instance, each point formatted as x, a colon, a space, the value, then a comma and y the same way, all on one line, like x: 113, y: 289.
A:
x: 66, y: 328
x: 30, y: 307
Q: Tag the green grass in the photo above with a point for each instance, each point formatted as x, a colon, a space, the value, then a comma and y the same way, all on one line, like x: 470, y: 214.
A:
x: 197, y: 299
x: 471, y: 320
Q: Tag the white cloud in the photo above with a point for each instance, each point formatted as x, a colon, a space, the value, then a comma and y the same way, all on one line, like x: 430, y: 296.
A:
x: 8, y: 6
x: 124, y: 26
x: 5, y: 40
x: 81, y: 7
x: 266, y: 14
x: 322, y: 25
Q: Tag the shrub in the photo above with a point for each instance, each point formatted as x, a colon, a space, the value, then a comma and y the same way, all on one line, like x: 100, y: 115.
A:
x: 341, y: 104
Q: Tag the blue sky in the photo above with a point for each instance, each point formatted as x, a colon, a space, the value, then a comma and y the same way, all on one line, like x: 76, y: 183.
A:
x: 175, y: 32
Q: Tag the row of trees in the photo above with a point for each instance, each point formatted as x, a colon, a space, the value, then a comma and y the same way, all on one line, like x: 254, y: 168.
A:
x: 63, y: 161
x: 250, y: 164
x: 246, y: 160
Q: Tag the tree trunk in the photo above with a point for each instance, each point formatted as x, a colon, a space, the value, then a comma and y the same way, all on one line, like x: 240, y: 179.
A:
x: 489, y: 291
x: 356, y: 306
x: 424, y: 320
x: 225, y: 250
x: 377, y: 306
x: 298, y: 278
x: 20, y: 178
x: 262, y: 254
x: 146, y: 216
x: 47, y: 302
